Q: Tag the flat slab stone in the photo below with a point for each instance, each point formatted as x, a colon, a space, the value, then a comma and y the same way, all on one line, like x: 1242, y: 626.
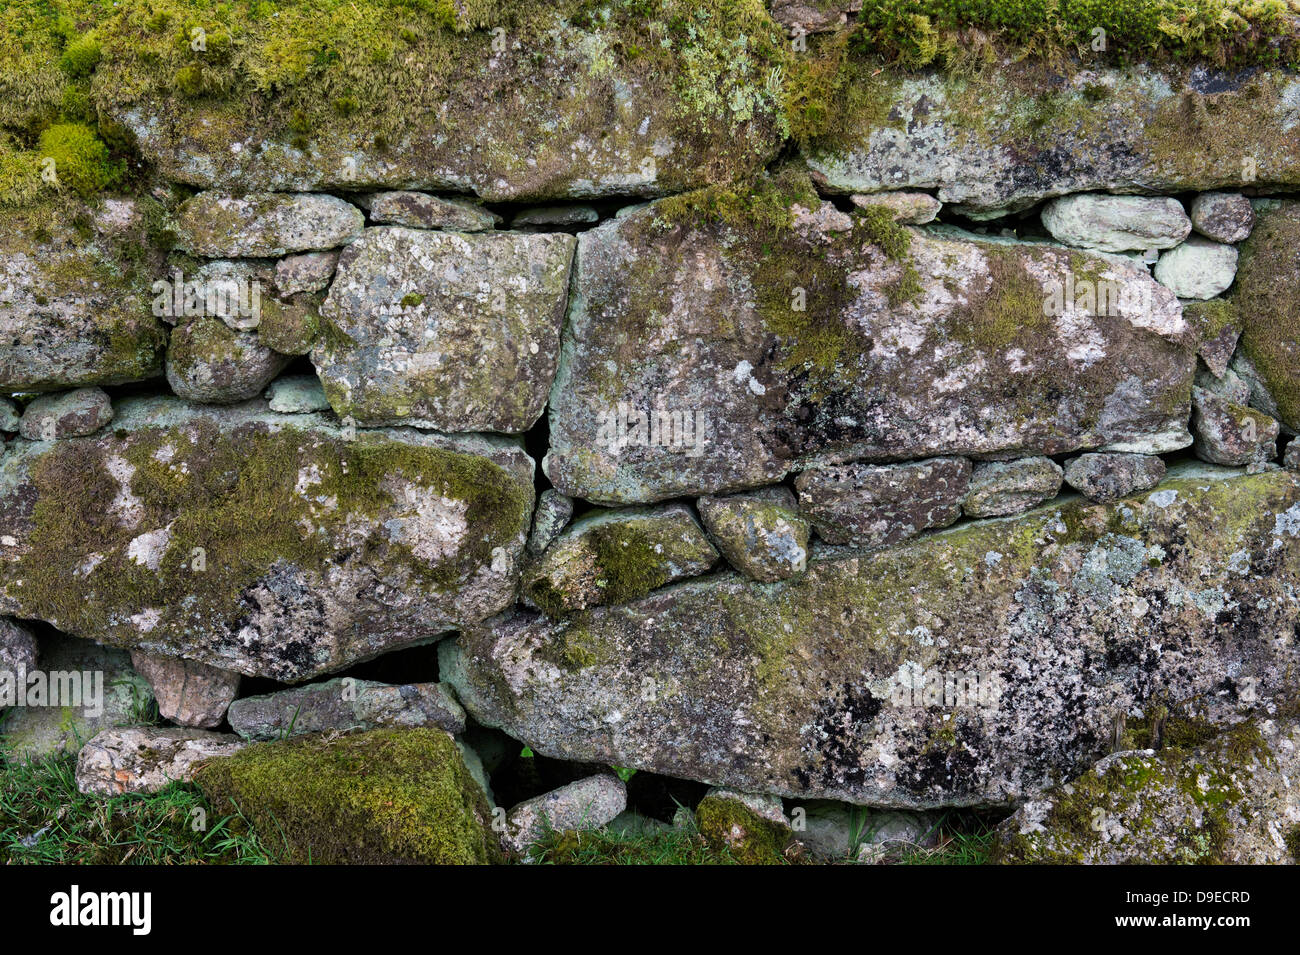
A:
x: 281, y: 546
x: 344, y: 705
x: 419, y: 210
x: 146, y: 759
x: 977, y: 665
x: 217, y: 225
x: 1117, y: 223
x: 444, y: 330
x: 870, y: 505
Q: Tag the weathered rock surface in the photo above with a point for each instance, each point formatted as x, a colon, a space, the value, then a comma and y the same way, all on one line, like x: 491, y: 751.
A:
x: 1230, y: 386
x: 273, y: 545
x: 546, y: 107
x: 9, y: 416
x: 842, y: 683
x: 551, y: 516
x: 1105, y: 477
x: 751, y: 827
x: 835, y: 832
x: 1197, y: 268
x: 308, y: 272
x: 420, y: 210
x: 909, y: 208
x: 1291, y: 459
x: 813, y: 16
x: 1218, y: 327
x: 346, y: 704
x: 1117, y: 223
x: 1268, y: 274
x: 210, y: 362
x: 585, y: 804
x: 1222, y: 216
x: 543, y: 216
x: 967, y: 137
x: 999, y: 488
x: 297, y: 394
x: 188, y: 693
x: 618, y: 555
x: 145, y: 759
x: 966, y: 362
x: 869, y: 505
x: 217, y: 225
x: 72, y: 312
x: 18, y: 648
x: 1230, y: 434
x: 761, y: 533
x: 1232, y: 800
x: 85, y: 688
x: 71, y: 414
x: 386, y: 796
x: 444, y: 330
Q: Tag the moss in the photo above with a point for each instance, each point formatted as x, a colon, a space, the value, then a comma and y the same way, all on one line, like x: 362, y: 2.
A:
x: 728, y: 824
x: 1011, y: 310
x: 81, y: 160
x: 412, y: 299
x: 294, y: 327
x: 384, y: 796
x: 81, y: 56
x: 1211, y: 317
x: 1267, y: 305
x: 1293, y: 842
x: 629, y: 561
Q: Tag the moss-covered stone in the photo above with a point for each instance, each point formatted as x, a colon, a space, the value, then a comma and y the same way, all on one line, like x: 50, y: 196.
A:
x: 1267, y: 306
x: 729, y: 824
x: 390, y: 796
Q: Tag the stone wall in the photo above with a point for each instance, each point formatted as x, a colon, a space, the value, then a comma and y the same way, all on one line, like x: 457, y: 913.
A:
x: 728, y: 395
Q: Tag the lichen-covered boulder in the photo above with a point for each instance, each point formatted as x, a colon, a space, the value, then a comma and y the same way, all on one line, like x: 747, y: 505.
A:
x: 393, y: 796
x: 976, y: 665
x: 607, y: 557
x: 1231, y: 799
x: 346, y: 704
x: 1197, y: 269
x: 445, y: 330
x: 71, y: 414
x: 844, y: 336
x: 144, y: 759
x: 1268, y: 274
x: 998, y: 488
x: 1225, y: 433
x: 74, y: 310
x: 1216, y: 324
x: 1222, y: 216
x: 1117, y: 223
x: 761, y: 533
x: 422, y: 211
x: 585, y: 804
x: 273, y: 545
x: 506, y: 101
x: 216, y: 225
x: 1009, y: 135
x: 210, y: 362
x: 188, y: 693
x: 1106, y: 477
x: 869, y: 505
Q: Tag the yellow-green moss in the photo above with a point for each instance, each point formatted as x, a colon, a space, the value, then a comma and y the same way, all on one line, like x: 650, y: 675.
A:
x: 1268, y: 307
x: 729, y: 825
x: 384, y: 796
x: 81, y: 160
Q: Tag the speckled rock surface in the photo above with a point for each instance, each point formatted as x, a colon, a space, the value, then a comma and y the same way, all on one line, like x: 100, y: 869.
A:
x: 209, y: 362
x: 145, y: 759
x: 998, y: 488
x: 869, y: 505
x: 442, y: 330
x: 909, y: 208
x: 307, y: 272
x: 217, y: 225
x: 420, y: 210
x: 1106, y: 477
x: 551, y: 516
x: 18, y: 648
x: 344, y: 705
x: 1197, y: 268
x: 1230, y: 434
x: 842, y: 683
x: 586, y: 804
x: 188, y: 693
x: 70, y: 414
x: 1222, y: 216
x: 761, y: 533
x: 273, y: 545
x: 1117, y: 223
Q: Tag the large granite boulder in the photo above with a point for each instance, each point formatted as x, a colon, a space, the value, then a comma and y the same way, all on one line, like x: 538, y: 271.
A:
x: 813, y: 334
x: 1010, y: 135
x: 444, y: 330
x: 976, y: 665
x: 272, y: 545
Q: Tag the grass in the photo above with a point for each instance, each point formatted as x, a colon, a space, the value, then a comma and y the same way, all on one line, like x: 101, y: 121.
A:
x: 677, y: 846
x: 45, y: 820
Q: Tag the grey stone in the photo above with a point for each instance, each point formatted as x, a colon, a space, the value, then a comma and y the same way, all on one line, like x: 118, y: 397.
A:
x: 1230, y: 434
x: 444, y: 330
x: 656, y: 398
x: 18, y: 649
x: 217, y: 225
x: 998, y: 488
x: 1223, y: 216
x: 420, y: 210
x: 8, y: 416
x: 71, y: 414
x: 761, y: 533
x: 836, y: 832
x: 1291, y: 459
x: 1230, y: 801
x: 1260, y: 395
x: 541, y: 216
x: 1105, y: 477
x: 345, y: 704
x: 188, y: 693
x: 297, y: 394
x: 1229, y: 386
x: 145, y: 760
x: 813, y: 16
x: 282, y: 546
x: 108, y: 693
x: 611, y: 556
x: 1217, y: 326
x: 307, y: 272
x: 209, y: 362
x: 909, y: 208
x: 586, y: 804
x: 550, y: 517
x: 1198, y: 268
x: 1117, y: 223
x: 870, y: 505
x: 952, y: 670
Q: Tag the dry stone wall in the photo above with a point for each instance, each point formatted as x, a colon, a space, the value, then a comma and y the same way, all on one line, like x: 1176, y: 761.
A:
x: 934, y: 454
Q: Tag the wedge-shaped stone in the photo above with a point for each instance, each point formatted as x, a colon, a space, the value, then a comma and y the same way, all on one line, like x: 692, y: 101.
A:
x: 443, y: 330
x: 1140, y: 129
x: 272, y: 545
x: 976, y: 665
x: 699, y: 359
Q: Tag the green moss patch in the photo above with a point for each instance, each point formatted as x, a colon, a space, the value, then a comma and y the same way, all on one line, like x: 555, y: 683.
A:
x: 1269, y: 309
